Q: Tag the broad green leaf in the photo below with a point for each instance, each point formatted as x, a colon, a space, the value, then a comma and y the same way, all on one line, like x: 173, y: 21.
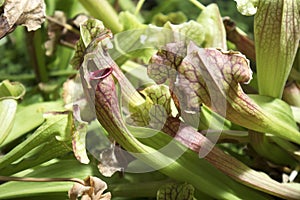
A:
x: 276, y: 32
x: 214, y: 30
x: 56, y: 131
x: 8, y: 109
x: 30, y: 117
x: 63, y: 168
x: 11, y: 90
x: 40, y: 154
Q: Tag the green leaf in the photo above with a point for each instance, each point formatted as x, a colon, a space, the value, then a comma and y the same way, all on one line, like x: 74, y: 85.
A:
x: 11, y: 90
x: 56, y: 131
x: 9, y: 93
x: 214, y: 30
x: 8, y: 109
x: 276, y: 31
x: 63, y: 168
x: 30, y: 117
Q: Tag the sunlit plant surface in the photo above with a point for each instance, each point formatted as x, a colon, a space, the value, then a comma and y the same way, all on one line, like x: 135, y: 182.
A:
x: 149, y: 99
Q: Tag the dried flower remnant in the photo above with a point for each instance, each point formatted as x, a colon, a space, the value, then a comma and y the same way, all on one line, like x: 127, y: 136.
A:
x: 113, y: 159
x: 21, y: 12
x: 54, y: 32
x: 92, y: 189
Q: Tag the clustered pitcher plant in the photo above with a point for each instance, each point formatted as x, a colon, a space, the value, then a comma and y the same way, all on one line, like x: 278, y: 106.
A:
x: 169, y: 99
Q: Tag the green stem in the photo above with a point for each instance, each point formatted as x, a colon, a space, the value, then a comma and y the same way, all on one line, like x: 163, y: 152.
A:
x: 44, y: 134
x: 139, y: 6
x: 198, y: 4
x: 38, y: 55
x: 29, y: 179
x: 102, y: 10
x: 52, y: 149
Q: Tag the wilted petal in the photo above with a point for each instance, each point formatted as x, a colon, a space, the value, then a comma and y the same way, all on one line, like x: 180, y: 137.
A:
x: 113, y: 159
x: 54, y: 31
x: 22, y: 12
x: 92, y: 189
x: 78, y: 137
x: 77, y: 190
